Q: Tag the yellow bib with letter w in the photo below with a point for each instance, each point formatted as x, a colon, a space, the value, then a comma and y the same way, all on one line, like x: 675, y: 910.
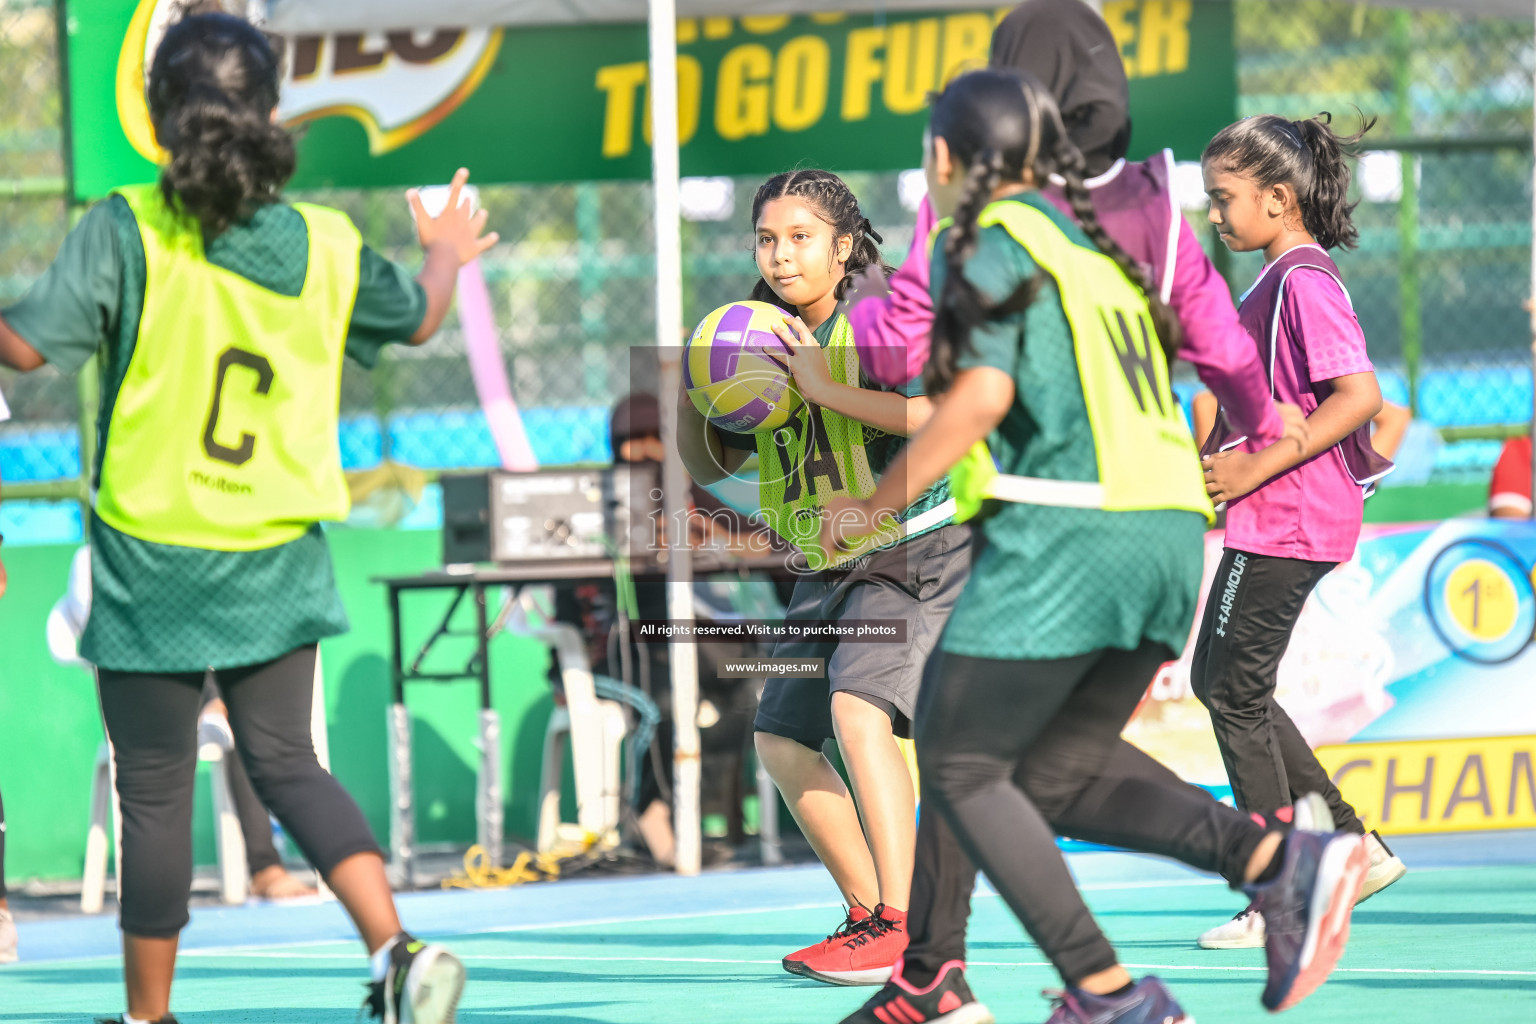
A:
x: 1146, y: 455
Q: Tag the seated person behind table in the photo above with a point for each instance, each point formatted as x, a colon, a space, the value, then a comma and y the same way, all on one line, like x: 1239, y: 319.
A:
x: 726, y: 706
x: 635, y: 432
x: 1509, y: 492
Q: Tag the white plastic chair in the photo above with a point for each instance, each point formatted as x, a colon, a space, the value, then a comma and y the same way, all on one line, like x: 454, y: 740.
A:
x: 728, y: 599
x: 595, y: 728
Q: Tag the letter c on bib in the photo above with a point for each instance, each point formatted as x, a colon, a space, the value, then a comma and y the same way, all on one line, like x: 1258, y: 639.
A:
x: 229, y: 358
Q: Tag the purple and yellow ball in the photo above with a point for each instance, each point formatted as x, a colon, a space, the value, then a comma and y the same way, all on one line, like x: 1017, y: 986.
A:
x: 736, y: 371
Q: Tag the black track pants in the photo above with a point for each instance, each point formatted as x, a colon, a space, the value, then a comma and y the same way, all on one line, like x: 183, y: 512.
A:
x: 1250, y: 614
x: 260, y: 852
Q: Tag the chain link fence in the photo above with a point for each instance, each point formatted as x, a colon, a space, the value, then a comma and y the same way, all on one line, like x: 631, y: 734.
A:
x: 33, y: 220
x: 1444, y: 185
x: 1438, y: 280
x: 572, y: 286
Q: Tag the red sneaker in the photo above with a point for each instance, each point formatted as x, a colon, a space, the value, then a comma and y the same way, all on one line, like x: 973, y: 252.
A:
x: 794, y: 963
x: 867, y: 956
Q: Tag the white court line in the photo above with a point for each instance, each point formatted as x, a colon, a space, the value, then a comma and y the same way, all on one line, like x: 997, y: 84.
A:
x: 546, y: 958
x: 819, y: 905
x: 531, y: 927
x: 489, y: 957
x: 652, y: 918
x: 1336, y: 970
x: 254, y: 949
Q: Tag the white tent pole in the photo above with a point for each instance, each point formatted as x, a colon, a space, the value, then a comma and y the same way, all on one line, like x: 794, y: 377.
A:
x: 669, y: 325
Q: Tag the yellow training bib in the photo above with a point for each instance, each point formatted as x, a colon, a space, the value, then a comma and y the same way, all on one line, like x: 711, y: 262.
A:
x: 819, y: 455
x: 224, y: 432
x: 1146, y: 455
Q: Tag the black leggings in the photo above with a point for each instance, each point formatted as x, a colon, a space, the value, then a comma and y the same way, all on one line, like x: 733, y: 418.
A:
x: 152, y: 722
x: 1012, y: 753
x: 260, y: 852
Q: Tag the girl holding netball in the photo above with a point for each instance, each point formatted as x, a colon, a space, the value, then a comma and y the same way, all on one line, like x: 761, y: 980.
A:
x: 1049, y: 346
x: 810, y: 236
x: 224, y: 316
x: 1293, y: 512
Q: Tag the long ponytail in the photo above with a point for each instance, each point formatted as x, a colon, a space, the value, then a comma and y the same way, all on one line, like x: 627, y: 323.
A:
x: 212, y: 89
x: 962, y: 307
x: 1325, y: 208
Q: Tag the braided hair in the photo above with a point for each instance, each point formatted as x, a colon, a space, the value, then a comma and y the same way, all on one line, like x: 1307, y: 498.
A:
x: 212, y: 89
x: 1307, y: 155
x: 830, y: 198
x: 998, y: 124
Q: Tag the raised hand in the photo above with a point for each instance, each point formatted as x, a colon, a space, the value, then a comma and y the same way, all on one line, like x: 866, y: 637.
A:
x: 456, y: 226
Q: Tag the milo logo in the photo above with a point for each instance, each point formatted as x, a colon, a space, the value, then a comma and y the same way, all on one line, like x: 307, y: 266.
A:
x: 397, y: 85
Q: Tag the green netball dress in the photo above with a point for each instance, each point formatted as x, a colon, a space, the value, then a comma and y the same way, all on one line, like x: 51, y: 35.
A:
x: 206, y: 548
x: 1060, y: 581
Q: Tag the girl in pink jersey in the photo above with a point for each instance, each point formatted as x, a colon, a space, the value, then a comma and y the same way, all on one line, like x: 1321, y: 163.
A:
x: 1293, y: 509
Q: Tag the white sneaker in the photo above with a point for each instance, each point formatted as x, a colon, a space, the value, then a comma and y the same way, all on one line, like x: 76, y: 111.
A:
x: 1385, y: 867
x: 1245, y: 931
x: 7, y: 938
x: 1312, y: 814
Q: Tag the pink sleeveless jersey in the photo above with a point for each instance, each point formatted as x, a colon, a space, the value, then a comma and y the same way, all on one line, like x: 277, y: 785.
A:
x: 1303, y: 326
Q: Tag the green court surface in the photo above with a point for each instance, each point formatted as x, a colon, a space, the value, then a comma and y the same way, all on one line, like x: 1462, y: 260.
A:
x: 1449, y: 944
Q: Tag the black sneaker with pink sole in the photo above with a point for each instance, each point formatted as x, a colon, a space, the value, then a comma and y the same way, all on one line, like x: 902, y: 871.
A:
x: 945, y: 1000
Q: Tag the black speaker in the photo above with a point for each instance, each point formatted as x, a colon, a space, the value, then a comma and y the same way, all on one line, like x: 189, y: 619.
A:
x: 552, y: 515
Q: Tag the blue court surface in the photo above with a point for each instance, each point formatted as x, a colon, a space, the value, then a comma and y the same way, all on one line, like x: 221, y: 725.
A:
x: 1454, y: 941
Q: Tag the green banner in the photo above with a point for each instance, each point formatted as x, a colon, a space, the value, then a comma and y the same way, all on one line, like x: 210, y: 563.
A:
x: 568, y: 103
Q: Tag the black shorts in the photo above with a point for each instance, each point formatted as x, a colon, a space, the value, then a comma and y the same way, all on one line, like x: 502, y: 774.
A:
x: 919, y: 582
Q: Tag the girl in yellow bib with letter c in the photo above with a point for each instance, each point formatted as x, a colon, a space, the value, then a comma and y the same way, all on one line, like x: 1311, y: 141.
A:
x: 223, y: 315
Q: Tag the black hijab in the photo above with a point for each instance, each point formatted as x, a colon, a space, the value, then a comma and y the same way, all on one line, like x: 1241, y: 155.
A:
x: 1066, y: 45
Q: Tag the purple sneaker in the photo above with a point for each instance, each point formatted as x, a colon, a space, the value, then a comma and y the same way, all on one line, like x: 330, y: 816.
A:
x: 1148, y: 1002
x: 1306, y: 912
